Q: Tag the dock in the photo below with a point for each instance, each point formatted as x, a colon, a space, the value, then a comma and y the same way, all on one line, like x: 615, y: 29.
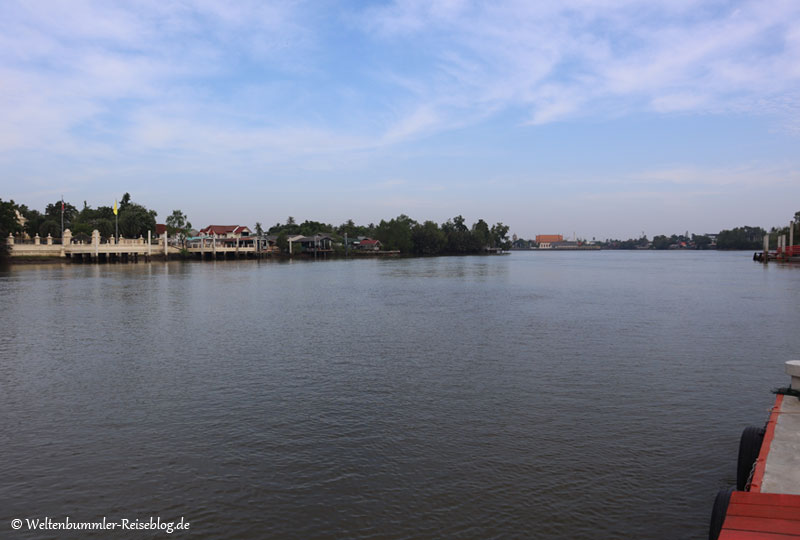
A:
x: 766, y: 503
x: 784, y: 251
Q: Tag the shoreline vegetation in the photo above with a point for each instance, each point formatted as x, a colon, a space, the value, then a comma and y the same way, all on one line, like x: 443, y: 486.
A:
x: 397, y: 236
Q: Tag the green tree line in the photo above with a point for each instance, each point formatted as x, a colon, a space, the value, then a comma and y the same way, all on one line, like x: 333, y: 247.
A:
x: 134, y: 219
x: 407, y: 235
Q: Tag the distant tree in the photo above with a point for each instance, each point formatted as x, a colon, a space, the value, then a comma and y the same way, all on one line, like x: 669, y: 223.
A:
x: 290, y: 220
x: 481, y: 234
x: 395, y: 234
x: 701, y: 241
x: 9, y: 224
x: 310, y: 228
x: 353, y: 231
x: 427, y: 239
x: 33, y: 221
x: 8, y: 218
x: 499, y: 236
x: 459, y: 238
x: 662, y: 242
x: 81, y: 228
x: 134, y: 219
x: 52, y: 212
x: 741, y: 238
x: 178, y: 225
x: 283, y: 242
x: 51, y: 227
x: 105, y: 227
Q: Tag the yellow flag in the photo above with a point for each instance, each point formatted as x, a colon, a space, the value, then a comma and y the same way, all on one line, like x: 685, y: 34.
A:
x: 115, y: 207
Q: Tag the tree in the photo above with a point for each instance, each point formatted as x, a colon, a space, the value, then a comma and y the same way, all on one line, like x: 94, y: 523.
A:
x: 459, y: 237
x: 662, y: 242
x: 8, y: 218
x: 52, y: 212
x: 396, y: 233
x: 33, y: 221
x: 51, y: 227
x: 178, y: 225
x: 741, y: 238
x: 353, y: 231
x: 9, y: 224
x: 701, y: 241
x: 310, y: 228
x: 427, y: 239
x: 499, y: 236
x: 134, y: 219
x: 481, y: 233
x: 283, y: 242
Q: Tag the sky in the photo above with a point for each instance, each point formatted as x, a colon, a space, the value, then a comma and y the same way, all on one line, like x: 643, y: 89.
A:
x: 595, y: 118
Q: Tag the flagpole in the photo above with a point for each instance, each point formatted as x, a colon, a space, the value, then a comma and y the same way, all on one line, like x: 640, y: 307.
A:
x: 62, y: 217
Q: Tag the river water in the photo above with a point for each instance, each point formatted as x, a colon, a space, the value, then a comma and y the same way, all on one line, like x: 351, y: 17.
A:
x: 538, y: 395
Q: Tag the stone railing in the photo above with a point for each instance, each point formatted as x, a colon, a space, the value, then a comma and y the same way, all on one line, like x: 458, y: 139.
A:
x: 51, y: 247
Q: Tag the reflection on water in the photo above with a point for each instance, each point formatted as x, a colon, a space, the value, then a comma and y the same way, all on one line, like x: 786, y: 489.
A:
x: 559, y: 395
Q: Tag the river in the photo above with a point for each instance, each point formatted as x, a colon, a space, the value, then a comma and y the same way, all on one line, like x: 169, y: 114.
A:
x: 537, y: 395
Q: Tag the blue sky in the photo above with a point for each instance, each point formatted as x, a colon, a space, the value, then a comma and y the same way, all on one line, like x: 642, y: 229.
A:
x: 595, y: 117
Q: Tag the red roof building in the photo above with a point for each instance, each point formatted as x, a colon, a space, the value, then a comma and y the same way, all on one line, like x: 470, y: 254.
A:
x: 549, y: 238
x: 225, y: 231
x: 370, y: 244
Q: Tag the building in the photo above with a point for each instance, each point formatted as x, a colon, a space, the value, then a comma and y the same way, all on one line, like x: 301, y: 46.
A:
x: 225, y: 231
x: 548, y: 239
x: 368, y: 244
x: 318, y: 242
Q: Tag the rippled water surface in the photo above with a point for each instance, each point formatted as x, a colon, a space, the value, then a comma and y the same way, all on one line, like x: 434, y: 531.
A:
x: 538, y: 395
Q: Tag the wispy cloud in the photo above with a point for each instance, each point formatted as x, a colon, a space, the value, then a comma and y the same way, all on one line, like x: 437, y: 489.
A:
x: 101, y: 95
x: 578, y: 58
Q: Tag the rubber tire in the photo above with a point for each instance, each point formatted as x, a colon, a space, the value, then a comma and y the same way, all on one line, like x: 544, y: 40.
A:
x: 749, y: 447
x: 718, y: 512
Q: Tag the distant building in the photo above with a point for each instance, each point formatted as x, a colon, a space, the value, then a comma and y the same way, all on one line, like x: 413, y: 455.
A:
x: 225, y: 231
x: 318, y: 242
x: 566, y: 244
x: 548, y: 238
x: 369, y: 244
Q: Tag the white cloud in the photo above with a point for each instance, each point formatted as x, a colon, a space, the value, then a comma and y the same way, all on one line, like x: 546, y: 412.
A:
x: 189, y: 92
x: 562, y: 59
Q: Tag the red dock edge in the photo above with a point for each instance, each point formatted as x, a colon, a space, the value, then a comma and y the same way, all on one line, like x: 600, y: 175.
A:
x: 754, y: 515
